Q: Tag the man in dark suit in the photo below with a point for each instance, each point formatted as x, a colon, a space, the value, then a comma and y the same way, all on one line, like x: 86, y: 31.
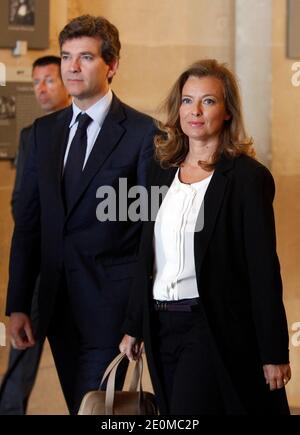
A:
x: 86, y: 264
x: 51, y: 96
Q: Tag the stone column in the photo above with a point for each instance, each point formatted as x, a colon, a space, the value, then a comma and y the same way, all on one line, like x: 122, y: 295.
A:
x: 253, y: 65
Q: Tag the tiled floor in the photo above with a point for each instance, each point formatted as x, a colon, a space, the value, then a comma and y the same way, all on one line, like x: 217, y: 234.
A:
x: 47, y: 397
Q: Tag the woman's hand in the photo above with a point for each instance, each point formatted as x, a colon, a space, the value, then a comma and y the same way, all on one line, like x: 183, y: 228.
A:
x: 277, y: 376
x: 131, y: 347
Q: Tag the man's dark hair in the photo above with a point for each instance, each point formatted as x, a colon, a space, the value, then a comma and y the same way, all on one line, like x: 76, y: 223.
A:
x: 95, y: 27
x: 47, y: 60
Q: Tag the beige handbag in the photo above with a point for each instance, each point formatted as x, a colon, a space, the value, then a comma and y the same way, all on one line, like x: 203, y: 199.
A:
x: 111, y: 402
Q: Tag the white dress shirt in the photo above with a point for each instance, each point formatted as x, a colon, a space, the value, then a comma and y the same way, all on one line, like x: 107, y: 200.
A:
x: 97, y: 112
x: 174, y: 266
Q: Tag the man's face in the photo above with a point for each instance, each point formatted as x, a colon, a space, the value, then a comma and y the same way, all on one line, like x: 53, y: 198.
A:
x: 48, y: 88
x: 84, y: 72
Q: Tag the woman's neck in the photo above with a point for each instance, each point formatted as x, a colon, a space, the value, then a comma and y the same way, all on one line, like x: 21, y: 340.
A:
x: 200, y: 151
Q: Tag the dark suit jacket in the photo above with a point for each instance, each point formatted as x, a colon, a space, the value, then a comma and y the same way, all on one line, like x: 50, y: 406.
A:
x: 96, y: 258
x: 23, y: 151
x: 239, y: 283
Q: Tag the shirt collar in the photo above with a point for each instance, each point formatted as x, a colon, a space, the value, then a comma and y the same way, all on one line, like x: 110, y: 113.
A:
x: 97, y: 111
x: 178, y: 185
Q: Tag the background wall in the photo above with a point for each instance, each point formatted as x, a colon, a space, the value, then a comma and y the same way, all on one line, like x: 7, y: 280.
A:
x: 286, y: 98
x: 253, y: 65
x: 286, y: 169
x: 160, y: 38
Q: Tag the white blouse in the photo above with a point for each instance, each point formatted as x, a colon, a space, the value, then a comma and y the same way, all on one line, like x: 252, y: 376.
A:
x: 174, y: 265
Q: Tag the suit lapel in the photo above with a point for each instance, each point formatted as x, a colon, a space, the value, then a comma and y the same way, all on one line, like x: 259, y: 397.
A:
x: 162, y: 177
x: 209, y: 211
x: 109, y: 136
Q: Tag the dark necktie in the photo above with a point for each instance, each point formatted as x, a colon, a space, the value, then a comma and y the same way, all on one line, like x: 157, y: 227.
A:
x: 75, y: 160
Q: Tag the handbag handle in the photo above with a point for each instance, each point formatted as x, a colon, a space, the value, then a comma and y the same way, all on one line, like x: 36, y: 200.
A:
x: 136, y: 381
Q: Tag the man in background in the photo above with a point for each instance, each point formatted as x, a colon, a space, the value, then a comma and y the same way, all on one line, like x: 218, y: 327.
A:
x: 52, y: 96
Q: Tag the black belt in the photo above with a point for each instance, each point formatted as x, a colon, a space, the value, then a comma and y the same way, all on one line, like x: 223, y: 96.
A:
x: 187, y: 305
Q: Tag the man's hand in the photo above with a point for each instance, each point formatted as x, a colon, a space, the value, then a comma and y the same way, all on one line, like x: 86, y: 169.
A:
x: 277, y: 376
x: 131, y: 347
x: 20, y: 330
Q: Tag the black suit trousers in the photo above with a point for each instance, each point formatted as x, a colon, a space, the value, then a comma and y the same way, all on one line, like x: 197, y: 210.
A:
x: 80, y: 365
x: 185, y: 366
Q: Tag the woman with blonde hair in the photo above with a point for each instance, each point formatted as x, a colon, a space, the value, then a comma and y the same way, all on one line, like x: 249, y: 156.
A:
x: 207, y: 299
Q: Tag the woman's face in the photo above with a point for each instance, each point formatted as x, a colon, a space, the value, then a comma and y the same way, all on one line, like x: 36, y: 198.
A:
x: 202, y: 111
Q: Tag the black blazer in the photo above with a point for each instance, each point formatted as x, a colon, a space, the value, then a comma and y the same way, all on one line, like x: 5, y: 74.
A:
x: 96, y: 258
x: 238, y: 277
x: 21, y: 158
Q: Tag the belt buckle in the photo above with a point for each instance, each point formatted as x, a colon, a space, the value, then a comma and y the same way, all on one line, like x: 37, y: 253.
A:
x: 160, y: 306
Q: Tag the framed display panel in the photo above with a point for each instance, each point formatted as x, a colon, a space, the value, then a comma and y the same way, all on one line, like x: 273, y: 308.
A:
x: 24, y: 20
x: 18, y: 109
x: 293, y: 29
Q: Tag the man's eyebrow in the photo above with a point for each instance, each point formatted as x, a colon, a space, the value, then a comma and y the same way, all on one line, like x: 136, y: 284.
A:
x: 87, y: 52
x: 80, y: 53
x: 44, y: 77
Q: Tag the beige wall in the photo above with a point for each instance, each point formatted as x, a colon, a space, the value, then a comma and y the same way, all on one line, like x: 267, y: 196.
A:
x: 286, y: 169
x: 153, y: 53
x: 150, y: 62
x: 253, y: 29
x: 160, y: 38
x: 286, y: 101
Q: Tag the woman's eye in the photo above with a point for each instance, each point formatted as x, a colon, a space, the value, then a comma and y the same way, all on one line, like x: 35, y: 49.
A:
x: 185, y: 100
x: 208, y: 101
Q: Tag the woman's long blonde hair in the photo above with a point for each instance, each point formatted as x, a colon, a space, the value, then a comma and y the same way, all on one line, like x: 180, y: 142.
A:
x: 172, y: 145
